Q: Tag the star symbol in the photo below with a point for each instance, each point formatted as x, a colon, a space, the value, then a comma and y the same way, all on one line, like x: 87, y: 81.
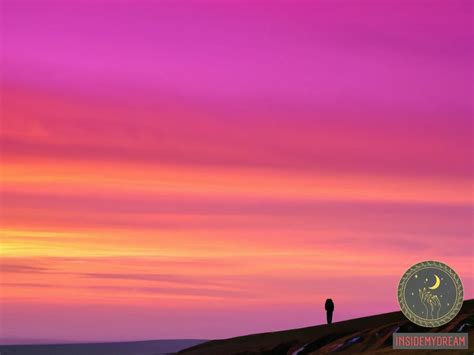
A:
x: 416, y: 276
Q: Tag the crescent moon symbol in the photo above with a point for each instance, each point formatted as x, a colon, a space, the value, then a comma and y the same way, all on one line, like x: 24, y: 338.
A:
x: 436, y: 285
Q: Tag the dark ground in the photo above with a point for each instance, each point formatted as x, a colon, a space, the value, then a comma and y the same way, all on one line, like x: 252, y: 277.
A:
x: 362, y: 335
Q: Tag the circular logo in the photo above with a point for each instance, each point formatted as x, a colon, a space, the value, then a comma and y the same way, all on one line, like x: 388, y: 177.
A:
x: 430, y: 294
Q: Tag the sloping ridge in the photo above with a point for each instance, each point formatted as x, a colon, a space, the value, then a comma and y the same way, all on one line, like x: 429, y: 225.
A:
x: 368, y: 334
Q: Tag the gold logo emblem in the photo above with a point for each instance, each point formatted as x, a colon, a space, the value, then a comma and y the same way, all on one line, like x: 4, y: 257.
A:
x: 430, y: 294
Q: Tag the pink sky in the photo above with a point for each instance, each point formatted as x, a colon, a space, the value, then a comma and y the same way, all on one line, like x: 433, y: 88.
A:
x: 212, y: 169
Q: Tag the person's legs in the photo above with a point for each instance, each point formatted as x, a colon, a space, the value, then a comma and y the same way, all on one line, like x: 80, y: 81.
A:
x: 329, y: 317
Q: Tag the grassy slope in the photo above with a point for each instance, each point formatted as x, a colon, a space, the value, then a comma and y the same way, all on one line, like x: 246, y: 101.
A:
x: 374, y: 334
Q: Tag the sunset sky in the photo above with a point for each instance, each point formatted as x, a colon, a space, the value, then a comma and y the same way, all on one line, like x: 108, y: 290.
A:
x: 191, y: 169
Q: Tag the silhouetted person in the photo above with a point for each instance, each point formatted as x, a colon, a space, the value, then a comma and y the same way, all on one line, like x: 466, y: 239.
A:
x: 329, y: 307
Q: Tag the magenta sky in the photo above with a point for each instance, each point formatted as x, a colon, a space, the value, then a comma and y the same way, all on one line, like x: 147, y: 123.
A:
x: 211, y: 169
